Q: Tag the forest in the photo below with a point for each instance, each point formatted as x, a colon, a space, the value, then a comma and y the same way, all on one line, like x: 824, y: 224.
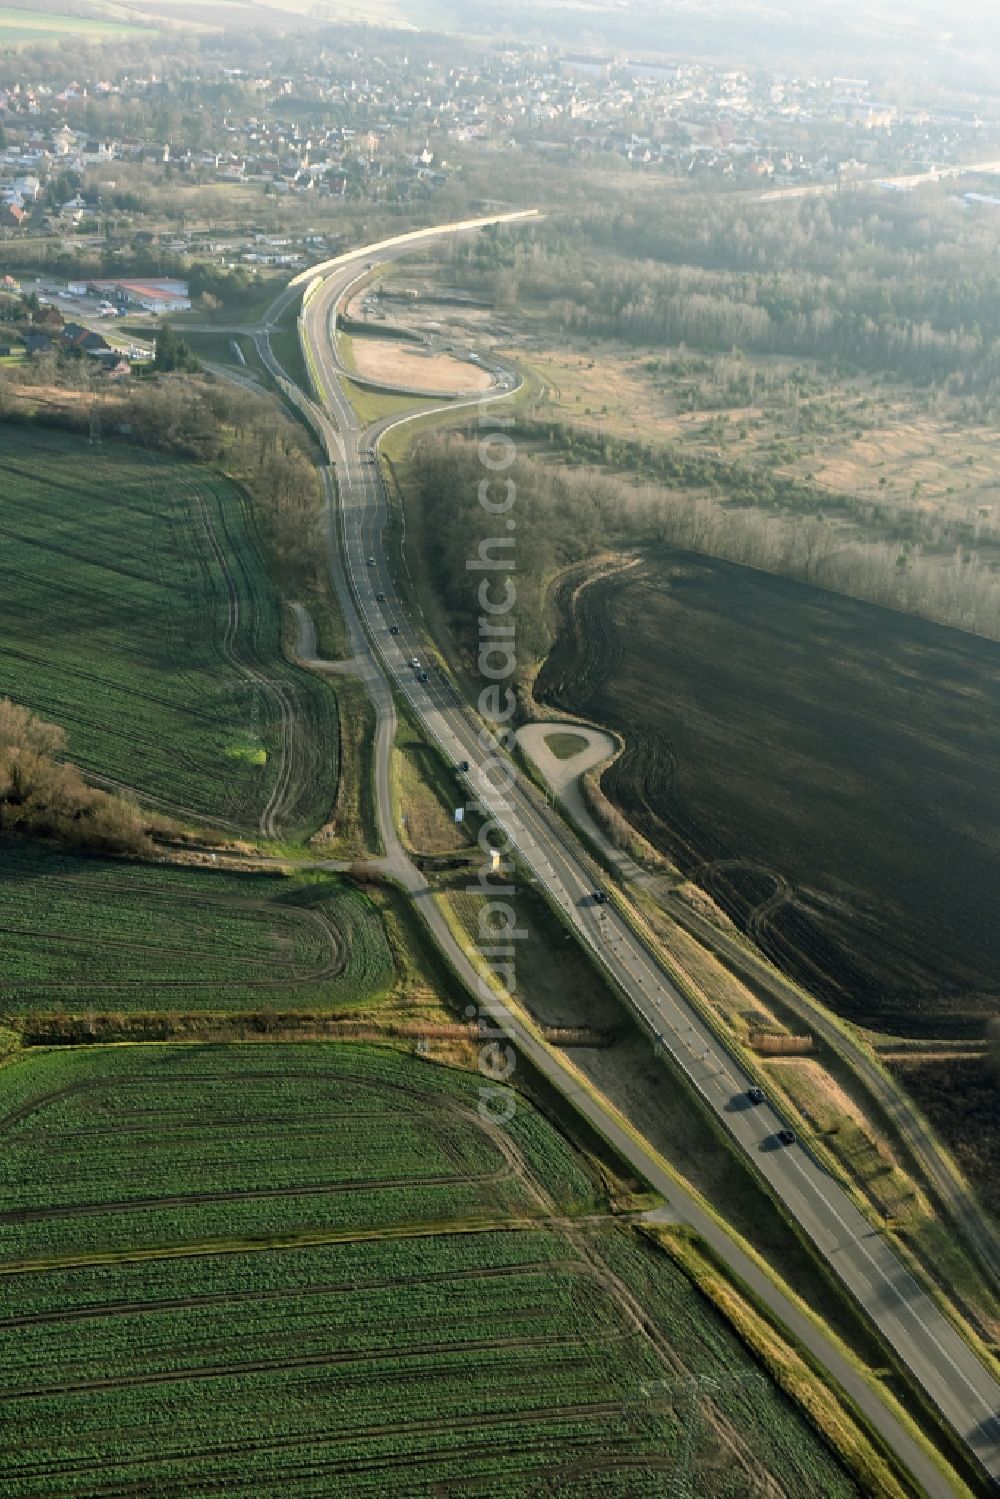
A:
x: 903, y: 284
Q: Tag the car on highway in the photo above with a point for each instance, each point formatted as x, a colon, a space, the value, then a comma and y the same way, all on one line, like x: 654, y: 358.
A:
x: 463, y: 766
x: 414, y: 663
x: 422, y: 676
x: 380, y: 597
x: 755, y: 1095
x: 393, y: 629
x: 599, y: 897
x: 371, y: 561
x: 786, y: 1136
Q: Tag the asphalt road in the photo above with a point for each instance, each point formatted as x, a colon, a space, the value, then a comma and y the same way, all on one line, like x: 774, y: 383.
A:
x: 956, y: 1381
x: 907, y: 1119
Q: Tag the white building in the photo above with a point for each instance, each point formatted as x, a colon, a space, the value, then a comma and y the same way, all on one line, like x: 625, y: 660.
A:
x: 157, y: 295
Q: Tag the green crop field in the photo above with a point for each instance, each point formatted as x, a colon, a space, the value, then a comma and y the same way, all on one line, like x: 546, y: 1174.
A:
x: 20, y: 25
x: 137, y: 613
x: 323, y: 1273
x: 80, y: 934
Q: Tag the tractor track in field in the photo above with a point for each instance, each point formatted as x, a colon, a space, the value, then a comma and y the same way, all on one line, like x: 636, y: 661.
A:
x: 622, y: 1462
x: 347, y: 1466
x: 100, y: 600
x: 305, y: 757
x: 167, y: 805
x: 116, y: 730
x: 98, y: 1311
x: 634, y: 1313
x: 64, y: 487
x: 432, y: 1102
x: 324, y: 1359
x: 49, y: 546
x: 139, y: 693
x: 589, y: 647
x: 759, y: 917
x: 195, y: 768
x: 13, y: 1216
x: 513, y: 1167
x: 280, y: 791
x: 41, y: 1101
x: 192, y: 531
x: 635, y: 1317
x: 332, y: 939
x: 233, y: 1121
x: 161, y: 803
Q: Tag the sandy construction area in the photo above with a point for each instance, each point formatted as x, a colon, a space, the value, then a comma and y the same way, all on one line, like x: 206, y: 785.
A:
x: 398, y: 362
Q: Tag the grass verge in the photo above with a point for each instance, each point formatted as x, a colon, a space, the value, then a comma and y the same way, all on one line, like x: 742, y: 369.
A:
x: 353, y: 828
x: 790, y: 1365
x: 426, y: 794
x: 372, y: 405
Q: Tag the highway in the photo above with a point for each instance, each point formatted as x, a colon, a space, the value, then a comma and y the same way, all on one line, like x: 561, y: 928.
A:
x: 953, y: 1377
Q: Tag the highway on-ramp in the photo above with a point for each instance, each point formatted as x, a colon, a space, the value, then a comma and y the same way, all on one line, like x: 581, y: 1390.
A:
x: 954, y: 1378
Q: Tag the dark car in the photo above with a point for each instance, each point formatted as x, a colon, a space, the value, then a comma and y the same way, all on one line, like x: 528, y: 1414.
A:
x: 755, y: 1095
x: 421, y: 676
x: 380, y: 597
x: 786, y: 1137
x: 393, y: 629
x: 371, y: 561
x: 463, y: 766
x: 599, y: 897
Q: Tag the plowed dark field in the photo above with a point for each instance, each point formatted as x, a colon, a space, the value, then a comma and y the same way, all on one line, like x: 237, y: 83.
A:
x: 829, y: 771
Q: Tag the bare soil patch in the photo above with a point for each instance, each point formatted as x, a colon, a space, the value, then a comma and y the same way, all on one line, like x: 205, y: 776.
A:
x: 401, y: 362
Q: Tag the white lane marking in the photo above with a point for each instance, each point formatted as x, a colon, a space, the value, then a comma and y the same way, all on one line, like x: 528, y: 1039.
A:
x: 906, y: 1277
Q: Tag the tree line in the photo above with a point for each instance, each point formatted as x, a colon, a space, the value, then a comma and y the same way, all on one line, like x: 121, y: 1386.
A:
x: 739, y: 485
x: 43, y: 796
x: 906, y: 284
x: 567, y: 515
x: 248, y: 436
